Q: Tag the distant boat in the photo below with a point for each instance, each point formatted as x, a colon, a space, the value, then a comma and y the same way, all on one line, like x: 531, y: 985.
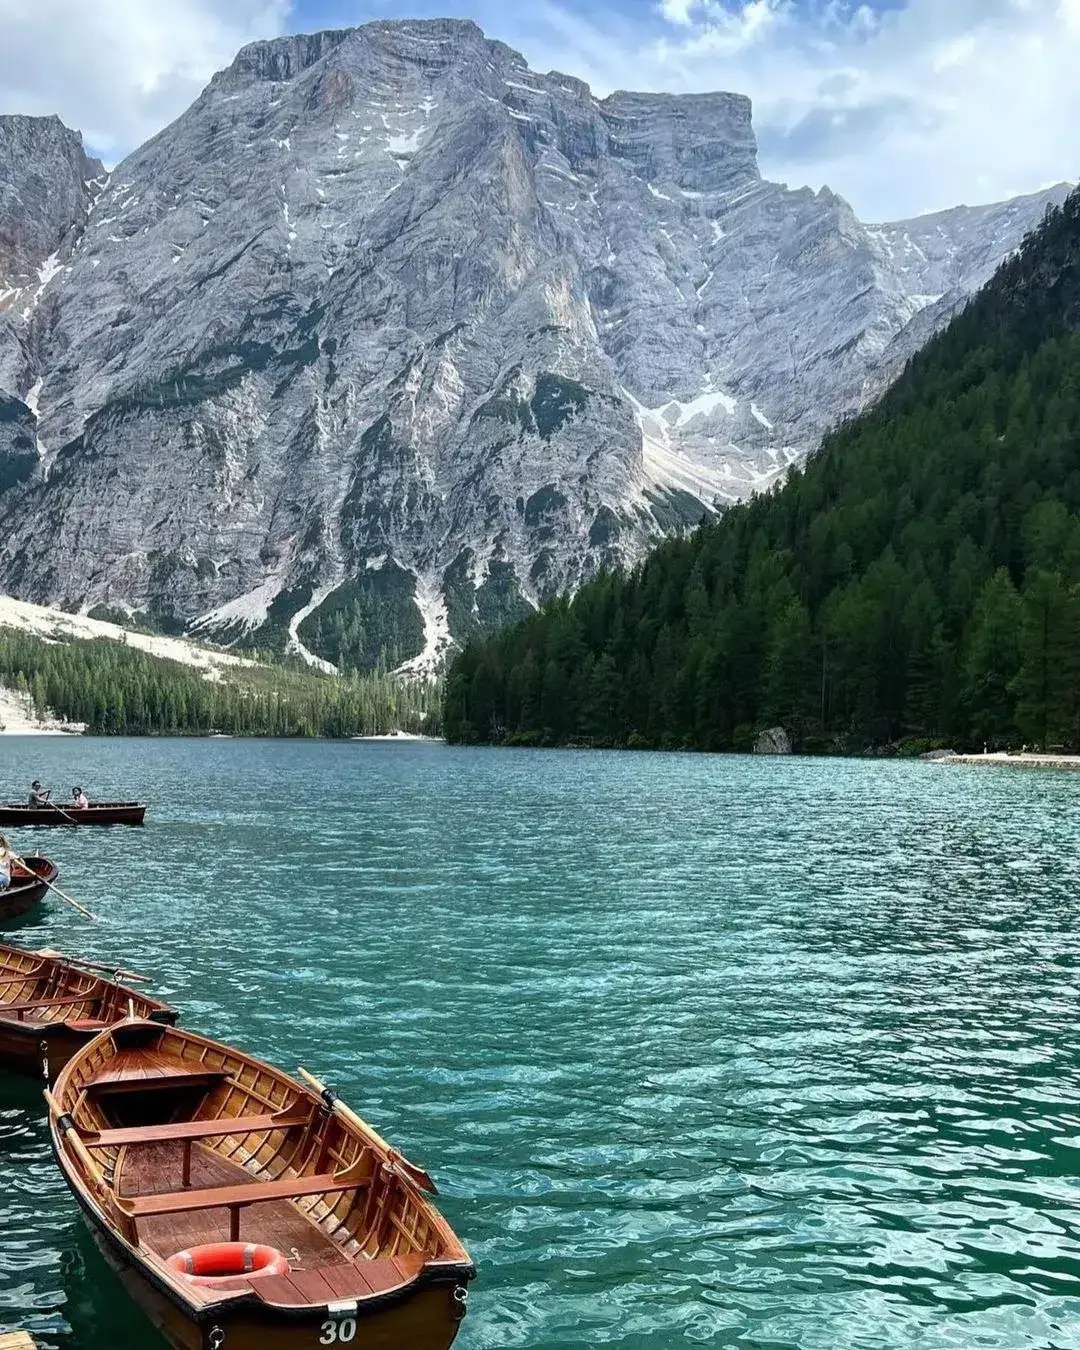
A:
x: 245, y: 1210
x: 97, y: 813
x: 50, y: 1007
x: 27, y: 887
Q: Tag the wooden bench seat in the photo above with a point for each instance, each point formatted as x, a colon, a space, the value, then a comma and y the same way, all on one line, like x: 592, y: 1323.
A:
x: 92, y: 996
x: 186, y: 1130
x: 236, y: 1198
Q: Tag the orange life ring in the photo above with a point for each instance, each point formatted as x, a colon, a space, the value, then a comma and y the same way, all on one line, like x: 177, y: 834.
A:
x: 228, y: 1261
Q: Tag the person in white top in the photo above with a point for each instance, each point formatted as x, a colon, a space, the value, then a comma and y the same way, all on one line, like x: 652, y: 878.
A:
x: 79, y: 799
x: 7, y: 860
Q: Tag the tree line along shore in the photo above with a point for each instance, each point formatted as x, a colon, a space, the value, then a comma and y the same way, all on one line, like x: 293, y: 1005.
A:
x: 118, y: 690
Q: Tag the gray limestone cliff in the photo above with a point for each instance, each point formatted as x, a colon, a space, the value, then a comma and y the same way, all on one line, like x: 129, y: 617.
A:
x: 47, y: 183
x: 389, y: 337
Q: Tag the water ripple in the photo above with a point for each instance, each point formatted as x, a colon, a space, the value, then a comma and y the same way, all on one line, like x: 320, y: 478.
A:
x: 702, y: 1051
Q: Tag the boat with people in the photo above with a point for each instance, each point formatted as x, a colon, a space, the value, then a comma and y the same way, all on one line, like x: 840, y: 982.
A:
x: 52, y: 813
x: 51, y: 1006
x: 30, y: 879
x: 246, y: 1209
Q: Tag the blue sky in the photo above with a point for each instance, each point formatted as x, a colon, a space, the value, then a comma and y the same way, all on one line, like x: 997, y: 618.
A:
x: 902, y: 106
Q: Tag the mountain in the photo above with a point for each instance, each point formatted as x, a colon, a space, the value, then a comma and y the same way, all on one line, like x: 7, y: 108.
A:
x: 919, y: 578
x: 46, y: 186
x: 389, y: 338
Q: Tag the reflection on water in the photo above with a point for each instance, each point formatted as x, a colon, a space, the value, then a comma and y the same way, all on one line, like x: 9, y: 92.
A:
x: 701, y: 1050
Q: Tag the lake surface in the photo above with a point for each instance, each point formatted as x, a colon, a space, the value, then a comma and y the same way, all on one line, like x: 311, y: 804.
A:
x: 702, y: 1051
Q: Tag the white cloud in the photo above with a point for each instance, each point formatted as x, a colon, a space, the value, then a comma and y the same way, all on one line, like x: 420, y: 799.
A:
x: 732, y: 29
x: 902, y: 110
x: 119, y: 70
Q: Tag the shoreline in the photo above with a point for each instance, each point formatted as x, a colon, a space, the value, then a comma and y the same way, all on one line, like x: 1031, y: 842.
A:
x: 1023, y: 760
x: 398, y: 736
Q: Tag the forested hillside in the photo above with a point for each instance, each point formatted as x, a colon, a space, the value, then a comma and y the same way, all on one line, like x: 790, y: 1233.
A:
x: 119, y: 690
x: 920, y: 578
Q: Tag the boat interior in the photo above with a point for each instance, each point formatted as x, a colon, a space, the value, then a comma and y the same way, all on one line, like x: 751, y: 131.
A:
x: 38, y: 989
x: 191, y: 1143
x: 35, y: 869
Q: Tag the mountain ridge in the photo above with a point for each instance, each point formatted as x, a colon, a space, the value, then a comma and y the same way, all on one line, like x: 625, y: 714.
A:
x: 388, y: 338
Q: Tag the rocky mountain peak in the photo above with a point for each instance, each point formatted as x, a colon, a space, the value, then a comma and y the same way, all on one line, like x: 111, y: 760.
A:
x: 45, y: 191
x: 278, y: 60
x: 697, y: 142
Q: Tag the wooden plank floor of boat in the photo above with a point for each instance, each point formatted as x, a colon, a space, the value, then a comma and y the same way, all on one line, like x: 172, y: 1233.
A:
x: 151, y: 1169
x: 323, y: 1271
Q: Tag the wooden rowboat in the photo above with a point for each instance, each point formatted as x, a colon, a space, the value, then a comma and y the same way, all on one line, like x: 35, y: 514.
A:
x: 49, y: 1008
x: 97, y: 813
x: 245, y: 1210
x: 28, y: 887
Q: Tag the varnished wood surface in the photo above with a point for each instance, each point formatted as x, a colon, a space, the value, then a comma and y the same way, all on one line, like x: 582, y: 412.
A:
x: 198, y: 1129
x: 97, y: 813
x: 16, y: 1340
x: 250, y: 1193
x: 56, y: 991
x: 276, y: 1223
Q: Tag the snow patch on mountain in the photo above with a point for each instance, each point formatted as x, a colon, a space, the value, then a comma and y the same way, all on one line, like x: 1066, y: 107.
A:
x: 57, y: 625
x: 247, y: 612
x: 295, y: 644
x: 438, y: 640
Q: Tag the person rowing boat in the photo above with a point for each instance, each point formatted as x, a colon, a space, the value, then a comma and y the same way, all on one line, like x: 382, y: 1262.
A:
x: 39, y: 796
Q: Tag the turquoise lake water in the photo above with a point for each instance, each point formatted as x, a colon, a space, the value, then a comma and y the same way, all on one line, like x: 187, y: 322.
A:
x: 701, y: 1050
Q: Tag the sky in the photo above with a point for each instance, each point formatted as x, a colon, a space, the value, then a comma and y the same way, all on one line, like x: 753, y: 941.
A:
x: 901, y: 106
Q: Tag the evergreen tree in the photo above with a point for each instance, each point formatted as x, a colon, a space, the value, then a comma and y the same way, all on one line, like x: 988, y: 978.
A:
x: 992, y: 661
x: 116, y: 689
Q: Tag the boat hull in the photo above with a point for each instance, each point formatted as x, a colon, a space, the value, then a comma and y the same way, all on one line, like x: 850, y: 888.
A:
x: 19, y: 900
x: 424, y: 1318
x: 145, y: 1106
x: 26, y: 892
x: 98, y: 813
x: 27, y: 1049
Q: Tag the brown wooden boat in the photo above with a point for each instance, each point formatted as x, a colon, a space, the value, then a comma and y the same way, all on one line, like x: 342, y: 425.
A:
x: 50, y: 1007
x: 245, y: 1210
x: 28, y: 886
x: 97, y: 813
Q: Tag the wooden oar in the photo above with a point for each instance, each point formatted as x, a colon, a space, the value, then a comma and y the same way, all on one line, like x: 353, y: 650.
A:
x: 62, y: 894
x: 415, y: 1174
x: 70, y: 819
x: 70, y: 1134
x: 116, y: 971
